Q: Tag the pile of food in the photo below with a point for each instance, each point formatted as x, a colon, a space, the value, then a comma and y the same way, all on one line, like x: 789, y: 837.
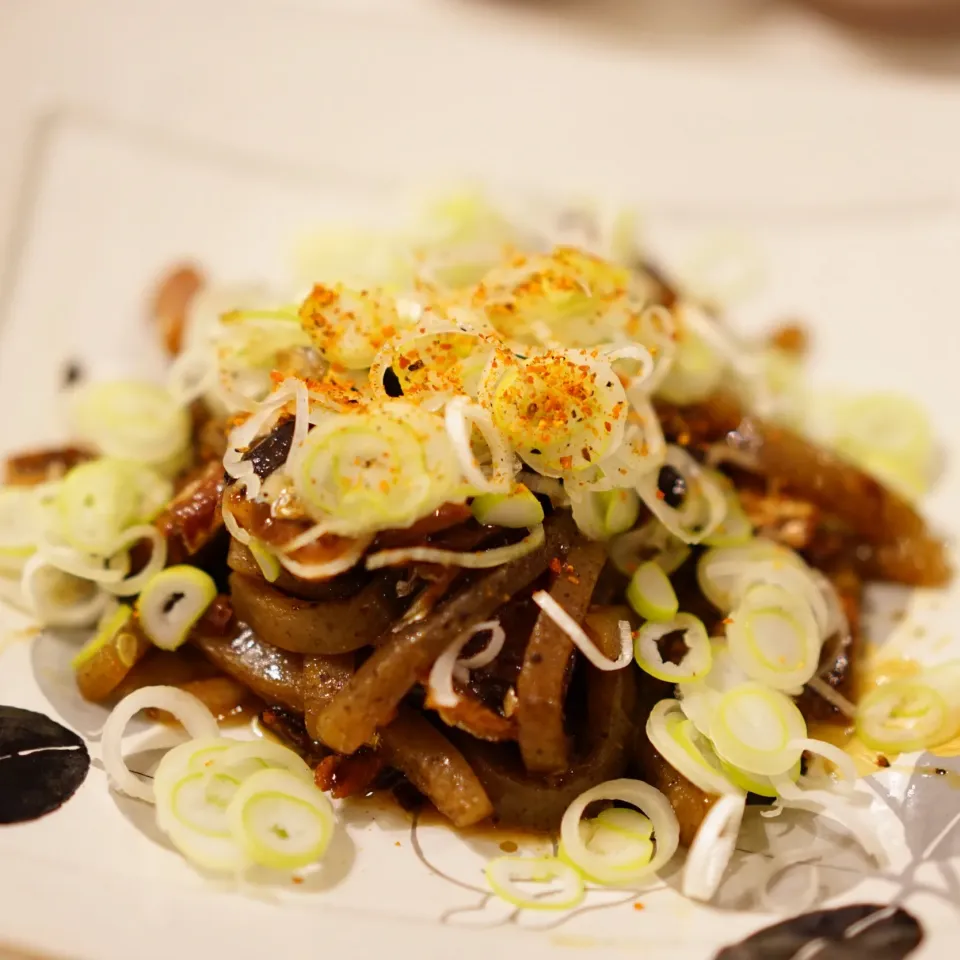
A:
x: 496, y: 515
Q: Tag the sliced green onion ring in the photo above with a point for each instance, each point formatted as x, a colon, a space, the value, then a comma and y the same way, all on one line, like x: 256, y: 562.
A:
x: 505, y: 873
x: 650, y: 801
x: 172, y: 602
x: 582, y: 393
x: 243, y: 758
x: 111, y: 623
x: 754, y: 727
x: 99, y: 499
x: 520, y: 508
x: 84, y: 565
x: 774, y: 638
x: 186, y: 759
x: 450, y: 665
x: 588, y: 514
x: 132, y: 420
x: 621, y: 508
x: 721, y: 569
x: 460, y: 415
x: 266, y: 559
x: 626, y: 820
x: 699, y: 698
x: 385, y: 467
x: 581, y: 639
x: 754, y: 782
x: 904, y: 716
x: 192, y: 805
x: 158, y: 557
x: 795, y: 578
x: 716, y: 839
x: 188, y: 709
x: 350, y: 555
x: 653, y: 541
x: 697, y: 660
x: 624, y: 850
x: 454, y: 558
x: 59, y: 599
x: 651, y: 594
x: 695, y: 372
x: 196, y: 828
x: 679, y: 742
x: 280, y: 820
x: 704, y: 505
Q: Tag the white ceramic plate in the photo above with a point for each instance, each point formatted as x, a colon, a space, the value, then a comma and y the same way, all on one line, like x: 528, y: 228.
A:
x: 267, y: 121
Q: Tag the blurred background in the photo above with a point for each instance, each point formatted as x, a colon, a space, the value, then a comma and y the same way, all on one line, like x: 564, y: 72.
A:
x: 894, y: 35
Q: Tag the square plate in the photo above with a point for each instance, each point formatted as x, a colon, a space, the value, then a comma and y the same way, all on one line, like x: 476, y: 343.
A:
x: 857, y: 231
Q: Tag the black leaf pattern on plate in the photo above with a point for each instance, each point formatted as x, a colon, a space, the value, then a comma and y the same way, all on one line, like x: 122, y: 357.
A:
x: 42, y: 764
x: 847, y: 933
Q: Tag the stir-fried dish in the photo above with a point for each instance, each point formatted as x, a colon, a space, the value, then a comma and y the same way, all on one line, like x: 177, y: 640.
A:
x: 499, y: 514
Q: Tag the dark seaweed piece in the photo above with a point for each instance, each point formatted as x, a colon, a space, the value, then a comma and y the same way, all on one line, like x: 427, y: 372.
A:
x: 846, y: 933
x: 270, y: 452
x: 42, y: 764
x: 391, y: 383
x: 672, y: 486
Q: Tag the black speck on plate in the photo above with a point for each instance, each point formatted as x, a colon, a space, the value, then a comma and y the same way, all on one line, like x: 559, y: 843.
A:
x: 42, y: 764
x: 862, y: 930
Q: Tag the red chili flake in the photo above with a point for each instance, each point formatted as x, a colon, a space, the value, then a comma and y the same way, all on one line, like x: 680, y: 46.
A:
x: 555, y: 566
x: 566, y: 462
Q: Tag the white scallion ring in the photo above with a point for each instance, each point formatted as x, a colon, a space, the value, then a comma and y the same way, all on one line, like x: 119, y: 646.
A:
x: 172, y: 602
x: 713, y: 846
x: 651, y: 594
x: 60, y: 599
x: 280, y: 820
x: 679, y: 742
x: 650, y: 801
x: 580, y: 638
x: 696, y: 661
x: 188, y: 709
x: 454, y: 558
x: 904, y: 716
x: 449, y: 665
x: 158, y: 557
x: 755, y: 727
